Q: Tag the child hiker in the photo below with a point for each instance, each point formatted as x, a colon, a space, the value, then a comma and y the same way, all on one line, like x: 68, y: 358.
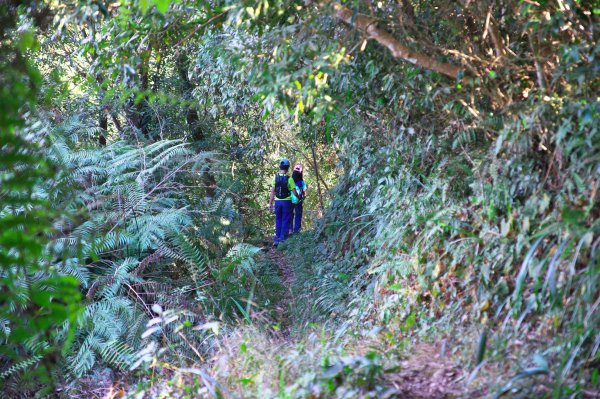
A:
x: 296, y: 214
x: 281, y: 193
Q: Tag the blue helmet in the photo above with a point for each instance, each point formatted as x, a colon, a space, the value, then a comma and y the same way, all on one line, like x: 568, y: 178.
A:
x: 285, y: 163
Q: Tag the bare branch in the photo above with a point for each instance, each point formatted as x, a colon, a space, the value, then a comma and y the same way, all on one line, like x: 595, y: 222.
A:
x: 369, y: 26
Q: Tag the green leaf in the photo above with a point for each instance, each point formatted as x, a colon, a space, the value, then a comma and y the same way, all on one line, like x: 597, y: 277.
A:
x: 333, y: 371
x: 410, y: 322
x: 145, y: 5
x: 524, y: 269
x: 572, y: 216
x: 162, y: 5
x: 481, y: 347
x: 541, y: 361
x: 41, y: 298
x: 27, y: 40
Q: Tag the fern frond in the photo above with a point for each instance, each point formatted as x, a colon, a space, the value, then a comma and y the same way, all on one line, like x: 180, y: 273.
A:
x: 243, y: 255
x: 73, y: 268
x: 21, y: 366
x: 117, y: 354
x: 164, y: 157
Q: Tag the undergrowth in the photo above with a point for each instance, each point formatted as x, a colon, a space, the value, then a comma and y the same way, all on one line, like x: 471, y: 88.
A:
x: 256, y: 362
x: 457, y: 200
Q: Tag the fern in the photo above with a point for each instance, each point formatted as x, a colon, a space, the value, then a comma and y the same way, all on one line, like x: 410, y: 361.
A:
x: 5, y: 329
x: 104, y: 329
x: 242, y: 255
x: 117, y: 354
x: 464, y: 138
x: 126, y: 216
x: 73, y: 267
x: 115, y: 276
x: 131, y: 224
x: 161, y: 159
x: 189, y: 253
x: 21, y: 366
x: 85, y: 358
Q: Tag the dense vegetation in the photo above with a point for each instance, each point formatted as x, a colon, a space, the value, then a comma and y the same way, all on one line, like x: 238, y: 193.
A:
x: 453, y: 159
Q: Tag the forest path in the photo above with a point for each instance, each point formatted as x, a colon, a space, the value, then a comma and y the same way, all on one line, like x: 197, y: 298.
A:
x: 428, y: 374
x: 284, y: 307
x: 424, y: 374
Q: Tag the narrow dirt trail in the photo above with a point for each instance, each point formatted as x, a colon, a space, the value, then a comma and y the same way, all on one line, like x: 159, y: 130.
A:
x: 287, y: 272
x: 288, y: 278
x: 423, y: 374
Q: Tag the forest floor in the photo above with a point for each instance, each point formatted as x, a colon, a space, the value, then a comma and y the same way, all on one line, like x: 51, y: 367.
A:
x: 284, y: 307
x: 280, y: 356
x: 425, y: 373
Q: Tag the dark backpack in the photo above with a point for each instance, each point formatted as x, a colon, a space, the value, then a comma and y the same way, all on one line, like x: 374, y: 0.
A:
x: 281, y: 186
x: 299, y: 190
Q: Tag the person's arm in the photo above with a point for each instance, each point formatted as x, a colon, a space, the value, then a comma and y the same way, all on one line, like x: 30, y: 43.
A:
x: 272, y: 198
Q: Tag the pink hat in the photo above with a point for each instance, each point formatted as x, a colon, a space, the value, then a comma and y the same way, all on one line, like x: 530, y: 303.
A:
x: 298, y: 167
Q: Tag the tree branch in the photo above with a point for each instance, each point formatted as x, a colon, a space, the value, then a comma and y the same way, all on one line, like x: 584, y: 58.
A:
x: 369, y: 26
x: 198, y: 27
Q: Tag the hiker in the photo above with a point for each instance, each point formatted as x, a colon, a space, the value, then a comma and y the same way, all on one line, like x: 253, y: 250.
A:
x: 296, y: 214
x: 283, y: 187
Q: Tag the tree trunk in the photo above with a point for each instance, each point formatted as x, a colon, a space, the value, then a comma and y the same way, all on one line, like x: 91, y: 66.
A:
x: 314, y: 156
x: 192, y: 118
x: 142, y: 116
x: 117, y: 123
x: 103, y: 123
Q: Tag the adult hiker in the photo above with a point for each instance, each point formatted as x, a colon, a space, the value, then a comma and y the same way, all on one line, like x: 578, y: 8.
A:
x: 281, y: 195
x: 296, y: 215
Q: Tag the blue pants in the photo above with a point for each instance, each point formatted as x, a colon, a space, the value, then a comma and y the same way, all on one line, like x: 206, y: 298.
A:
x: 283, y: 211
x: 296, y: 218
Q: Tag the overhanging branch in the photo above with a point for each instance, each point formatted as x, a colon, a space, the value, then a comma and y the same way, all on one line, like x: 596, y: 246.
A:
x: 369, y: 27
